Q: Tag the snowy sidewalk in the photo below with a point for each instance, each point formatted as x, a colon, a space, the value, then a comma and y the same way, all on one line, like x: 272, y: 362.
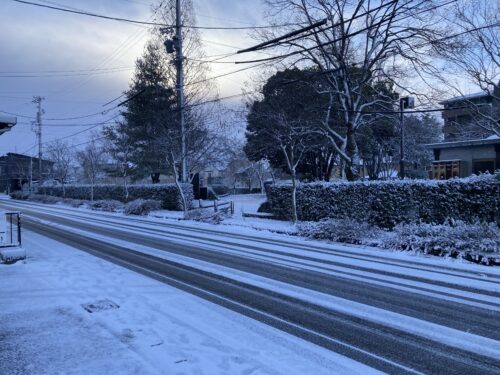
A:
x: 157, y: 329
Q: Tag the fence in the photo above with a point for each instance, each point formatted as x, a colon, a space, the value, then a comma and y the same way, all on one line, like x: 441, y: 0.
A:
x: 227, y: 206
x: 10, y: 230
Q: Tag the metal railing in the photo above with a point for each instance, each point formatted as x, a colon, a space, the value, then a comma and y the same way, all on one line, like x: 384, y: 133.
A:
x: 10, y: 229
x: 227, y: 206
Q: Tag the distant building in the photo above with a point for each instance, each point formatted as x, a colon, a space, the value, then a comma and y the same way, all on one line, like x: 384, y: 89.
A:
x: 17, y: 170
x: 464, y: 114
x: 6, y: 123
x: 464, y: 158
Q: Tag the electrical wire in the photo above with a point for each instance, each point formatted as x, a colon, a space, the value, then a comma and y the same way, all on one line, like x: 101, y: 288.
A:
x: 284, y: 56
x: 63, y: 75
x: 146, y: 23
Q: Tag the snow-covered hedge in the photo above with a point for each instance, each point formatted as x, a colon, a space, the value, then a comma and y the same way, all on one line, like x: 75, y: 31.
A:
x: 167, y: 194
x: 340, y: 230
x: 108, y: 205
x: 475, y: 242
x: 141, y: 207
x: 388, y: 203
x: 451, y: 238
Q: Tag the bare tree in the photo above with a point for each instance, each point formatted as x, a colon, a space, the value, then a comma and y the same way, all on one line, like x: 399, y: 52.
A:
x: 61, y: 154
x: 364, y: 42
x: 92, y: 159
x: 260, y: 169
x: 475, y: 56
x: 199, y: 92
x: 290, y: 138
x: 120, y: 148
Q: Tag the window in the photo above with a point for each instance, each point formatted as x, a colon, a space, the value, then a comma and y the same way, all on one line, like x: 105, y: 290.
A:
x: 483, y: 166
x: 444, y: 170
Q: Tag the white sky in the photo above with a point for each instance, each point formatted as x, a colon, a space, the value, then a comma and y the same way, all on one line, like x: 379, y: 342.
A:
x: 36, y: 41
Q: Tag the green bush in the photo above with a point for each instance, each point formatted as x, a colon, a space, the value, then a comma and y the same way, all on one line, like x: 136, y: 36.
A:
x: 19, y: 195
x: 167, y: 194
x: 107, y: 205
x: 388, y: 203
x: 451, y: 238
x: 141, y: 207
x: 340, y: 230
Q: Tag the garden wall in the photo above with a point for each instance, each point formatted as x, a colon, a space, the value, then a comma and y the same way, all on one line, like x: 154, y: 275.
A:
x: 167, y: 194
x: 388, y: 203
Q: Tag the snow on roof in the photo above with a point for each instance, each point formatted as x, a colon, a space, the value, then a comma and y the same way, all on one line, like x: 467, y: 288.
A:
x: 6, y: 122
x: 8, y: 119
x: 493, y: 140
x: 466, y: 97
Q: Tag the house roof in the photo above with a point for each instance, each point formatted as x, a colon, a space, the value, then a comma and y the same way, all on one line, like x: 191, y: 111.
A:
x: 459, y: 98
x: 493, y: 140
x: 13, y: 155
x: 6, y: 123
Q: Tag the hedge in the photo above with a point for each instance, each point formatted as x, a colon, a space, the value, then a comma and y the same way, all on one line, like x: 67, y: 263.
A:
x: 167, y: 194
x: 388, y: 203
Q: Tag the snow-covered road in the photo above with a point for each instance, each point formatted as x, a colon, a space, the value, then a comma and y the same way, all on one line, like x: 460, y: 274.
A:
x: 157, y: 329
x: 391, y: 311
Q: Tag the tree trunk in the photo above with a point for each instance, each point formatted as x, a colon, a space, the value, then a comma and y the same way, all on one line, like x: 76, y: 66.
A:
x: 351, y: 151
x: 92, y: 192
x: 155, y: 178
x: 125, y: 185
x: 294, y: 197
x: 179, y: 187
x: 271, y: 171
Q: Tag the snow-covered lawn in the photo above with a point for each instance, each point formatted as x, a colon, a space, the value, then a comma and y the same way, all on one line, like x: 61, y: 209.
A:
x: 157, y: 329
x: 243, y: 204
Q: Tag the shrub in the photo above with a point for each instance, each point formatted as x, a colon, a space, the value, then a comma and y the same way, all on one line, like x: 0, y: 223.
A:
x: 73, y: 202
x: 388, y: 203
x: 106, y: 205
x: 220, y: 189
x: 19, y: 195
x: 340, y: 230
x: 167, y: 194
x: 205, y: 215
x: 265, y: 208
x: 44, y: 198
x: 450, y: 238
x: 141, y: 207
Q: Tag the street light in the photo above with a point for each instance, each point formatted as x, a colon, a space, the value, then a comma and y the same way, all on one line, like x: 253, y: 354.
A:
x: 405, y: 102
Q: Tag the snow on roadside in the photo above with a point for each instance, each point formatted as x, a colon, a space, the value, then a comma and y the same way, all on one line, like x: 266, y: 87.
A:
x: 157, y: 329
x: 267, y: 233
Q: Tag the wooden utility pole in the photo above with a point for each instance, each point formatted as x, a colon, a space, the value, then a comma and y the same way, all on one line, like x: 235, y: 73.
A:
x: 180, y: 86
x: 38, y: 101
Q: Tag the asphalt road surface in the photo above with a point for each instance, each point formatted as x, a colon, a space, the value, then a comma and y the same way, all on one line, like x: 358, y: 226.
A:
x: 395, y: 315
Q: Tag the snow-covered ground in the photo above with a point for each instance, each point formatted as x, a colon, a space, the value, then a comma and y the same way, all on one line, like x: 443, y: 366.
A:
x: 157, y: 329
x: 243, y: 204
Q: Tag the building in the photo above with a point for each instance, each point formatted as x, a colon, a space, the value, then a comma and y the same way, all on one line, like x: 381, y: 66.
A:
x: 17, y: 170
x: 470, y: 117
x: 464, y: 158
x: 6, y: 123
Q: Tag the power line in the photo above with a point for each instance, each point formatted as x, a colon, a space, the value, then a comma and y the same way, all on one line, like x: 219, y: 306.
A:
x: 18, y: 115
x: 283, y: 56
x: 64, y: 71
x: 91, y: 14
x: 146, y: 23
x: 68, y: 125
x: 63, y: 75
